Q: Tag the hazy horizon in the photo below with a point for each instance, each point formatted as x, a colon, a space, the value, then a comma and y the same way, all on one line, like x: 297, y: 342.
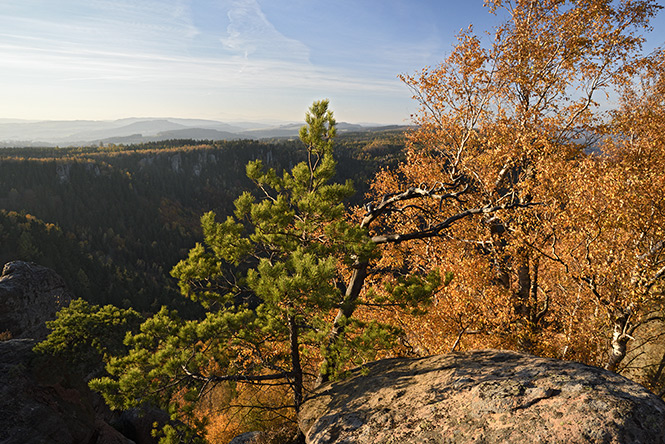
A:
x: 266, y: 122
x: 24, y: 133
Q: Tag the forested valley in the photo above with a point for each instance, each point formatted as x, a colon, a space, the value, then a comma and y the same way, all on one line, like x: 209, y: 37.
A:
x: 518, y: 213
x: 114, y: 220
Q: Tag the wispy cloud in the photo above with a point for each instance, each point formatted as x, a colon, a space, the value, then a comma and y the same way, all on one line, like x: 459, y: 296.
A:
x: 257, y: 54
x: 160, y: 53
x: 251, y: 34
x: 160, y: 26
x: 67, y: 64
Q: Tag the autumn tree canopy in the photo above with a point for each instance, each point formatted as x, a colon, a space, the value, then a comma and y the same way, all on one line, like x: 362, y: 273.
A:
x: 516, y: 115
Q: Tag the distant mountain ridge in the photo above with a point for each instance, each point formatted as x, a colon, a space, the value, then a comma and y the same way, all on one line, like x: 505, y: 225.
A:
x: 19, y: 133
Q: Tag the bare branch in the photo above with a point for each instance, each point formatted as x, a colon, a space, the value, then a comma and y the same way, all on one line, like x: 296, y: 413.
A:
x: 659, y: 274
x: 251, y: 379
x: 436, y: 229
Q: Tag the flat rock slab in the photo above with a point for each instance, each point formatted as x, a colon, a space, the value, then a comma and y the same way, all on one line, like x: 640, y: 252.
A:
x: 485, y: 396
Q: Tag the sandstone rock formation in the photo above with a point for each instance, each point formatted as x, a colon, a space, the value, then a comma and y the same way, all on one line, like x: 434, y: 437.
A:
x: 30, y: 295
x: 41, y: 399
x: 41, y: 402
x: 482, y: 397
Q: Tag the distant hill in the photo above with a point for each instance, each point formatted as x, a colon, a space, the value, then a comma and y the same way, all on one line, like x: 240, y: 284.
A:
x: 145, y: 128
x: 140, y: 130
x: 198, y: 134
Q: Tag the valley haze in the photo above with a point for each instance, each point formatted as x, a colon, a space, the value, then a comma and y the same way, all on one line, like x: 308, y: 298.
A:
x: 26, y: 133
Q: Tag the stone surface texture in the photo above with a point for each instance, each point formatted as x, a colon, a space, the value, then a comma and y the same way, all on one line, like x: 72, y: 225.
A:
x: 30, y: 295
x: 485, y: 396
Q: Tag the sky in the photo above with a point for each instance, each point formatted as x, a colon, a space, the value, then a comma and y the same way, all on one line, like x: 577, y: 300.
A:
x: 228, y: 60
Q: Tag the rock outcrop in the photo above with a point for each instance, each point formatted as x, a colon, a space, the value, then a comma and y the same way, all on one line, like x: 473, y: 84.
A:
x: 482, y: 397
x: 30, y: 295
x: 41, y: 402
x: 41, y: 399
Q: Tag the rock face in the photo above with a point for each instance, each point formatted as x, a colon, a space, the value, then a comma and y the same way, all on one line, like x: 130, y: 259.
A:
x: 482, y: 397
x: 30, y: 295
x: 41, y: 402
x: 41, y: 399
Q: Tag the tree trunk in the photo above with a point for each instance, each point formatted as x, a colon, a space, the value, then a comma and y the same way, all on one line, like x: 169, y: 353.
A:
x: 523, y: 288
x: 619, y: 342
x: 295, y: 363
x: 655, y: 379
x: 345, y: 311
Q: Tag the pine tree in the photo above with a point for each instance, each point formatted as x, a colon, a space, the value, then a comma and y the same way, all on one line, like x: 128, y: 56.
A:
x: 270, y: 279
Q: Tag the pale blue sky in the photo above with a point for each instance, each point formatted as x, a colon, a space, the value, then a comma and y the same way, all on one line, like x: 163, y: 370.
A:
x: 224, y: 59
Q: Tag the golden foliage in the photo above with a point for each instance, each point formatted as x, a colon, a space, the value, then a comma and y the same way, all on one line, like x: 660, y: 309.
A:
x: 518, y: 118
x: 235, y: 409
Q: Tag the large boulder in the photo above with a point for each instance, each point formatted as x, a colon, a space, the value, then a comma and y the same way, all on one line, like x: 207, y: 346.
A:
x: 30, y: 295
x: 482, y: 397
